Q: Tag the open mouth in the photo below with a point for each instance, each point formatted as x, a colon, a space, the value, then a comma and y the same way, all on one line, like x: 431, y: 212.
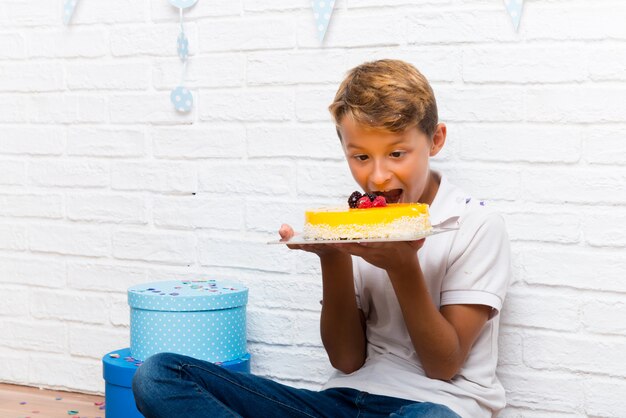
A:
x: 391, y: 196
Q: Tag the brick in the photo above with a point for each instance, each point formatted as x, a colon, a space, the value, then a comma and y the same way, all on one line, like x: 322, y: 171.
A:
x: 490, y: 183
x: 85, y: 43
x: 148, y: 108
x: 275, y: 5
x: 566, y: 185
x: 139, y: 40
x: 70, y: 240
x: 555, y: 391
x: 32, y: 77
x: 246, y: 105
x: 54, y: 108
x: 193, y: 212
x: 605, y: 145
x: 352, y: 30
x: 88, y: 75
x: 48, y: 370
x: 157, y: 177
x: 607, y: 63
x: 31, y: 140
x: 604, y: 397
x: 574, y: 267
x: 12, y: 46
x: 301, y: 140
x: 42, y: 336
x: 31, y: 205
x: 227, y: 141
x: 575, y: 354
x: 268, y: 214
x: 480, y: 104
x: 280, y: 362
x: 112, y: 11
x: 282, y: 291
x: 436, y: 63
x: 578, y: 22
x: 12, y: 172
x: 312, y: 104
x: 459, y: 26
x: 215, y: 70
x: 601, y: 228
x: 524, y: 64
x: 17, y: 304
x: 235, y: 178
x: 88, y: 341
x: 580, y: 105
x: 594, y: 316
x: 288, y: 327
x: 105, y: 142
x: 260, y: 33
x: 163, y: 247
x: 57, y: 173
x: 331, y: 180
x: 50, y: 304
x: 13, y: 368
x: 103, y: 277
x: 509, y: 343
x: 243, y: 253
x: 12, y: 237
x: 20, y: 14
x: 530, y: 308
x: 514, y: 142
x: 558, y: 227
x: 120, y: 311
x: 32, y: 271
x: 111, y: 208
x: 295, y: 67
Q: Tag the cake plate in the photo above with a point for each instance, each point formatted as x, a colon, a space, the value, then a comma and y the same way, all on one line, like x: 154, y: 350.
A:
x: 299, y: 239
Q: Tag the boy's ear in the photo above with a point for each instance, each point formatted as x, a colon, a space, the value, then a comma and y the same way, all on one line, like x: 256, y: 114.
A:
x: 439, y: 139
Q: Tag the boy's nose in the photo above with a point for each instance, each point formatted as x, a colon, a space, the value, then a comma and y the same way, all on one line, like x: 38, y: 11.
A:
x: 380, y: 176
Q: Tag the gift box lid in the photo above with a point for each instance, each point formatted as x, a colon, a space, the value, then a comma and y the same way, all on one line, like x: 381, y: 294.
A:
x: 188, y: 295
x: 119, y: 367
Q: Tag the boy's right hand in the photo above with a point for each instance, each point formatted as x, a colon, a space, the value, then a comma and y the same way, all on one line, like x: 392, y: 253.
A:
x: 286, y: 232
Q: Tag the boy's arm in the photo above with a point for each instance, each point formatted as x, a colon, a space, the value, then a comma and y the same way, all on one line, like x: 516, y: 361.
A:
x: 342, y: 323
x: 442, y: 338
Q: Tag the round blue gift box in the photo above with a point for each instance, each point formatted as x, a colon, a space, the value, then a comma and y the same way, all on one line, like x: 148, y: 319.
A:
x: 118, y: 371
x: 205, y: 319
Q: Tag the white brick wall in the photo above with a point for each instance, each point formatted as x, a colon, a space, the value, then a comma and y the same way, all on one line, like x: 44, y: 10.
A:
x: 103, y: 185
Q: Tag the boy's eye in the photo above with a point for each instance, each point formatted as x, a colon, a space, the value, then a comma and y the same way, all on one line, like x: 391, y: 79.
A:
x: 397, y: 154
x: 361, y: 157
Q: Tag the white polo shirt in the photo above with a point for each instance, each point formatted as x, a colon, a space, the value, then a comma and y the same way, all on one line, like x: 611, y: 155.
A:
x: 468, y: 266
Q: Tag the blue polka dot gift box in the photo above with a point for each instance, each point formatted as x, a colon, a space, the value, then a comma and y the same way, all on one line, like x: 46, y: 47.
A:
x: 118, y: 370
x: 205, y: 319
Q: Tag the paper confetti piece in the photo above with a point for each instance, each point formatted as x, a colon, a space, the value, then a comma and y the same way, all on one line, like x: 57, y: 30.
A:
x: 68, y: 10
x: 514, y: 9
x: 322, y: 11
x: 72, y: 412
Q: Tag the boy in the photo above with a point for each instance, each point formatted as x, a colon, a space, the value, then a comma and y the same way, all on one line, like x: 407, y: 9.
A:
x: 411, y: 327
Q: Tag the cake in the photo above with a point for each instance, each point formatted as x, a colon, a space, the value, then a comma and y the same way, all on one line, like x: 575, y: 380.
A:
x: 367, y: 217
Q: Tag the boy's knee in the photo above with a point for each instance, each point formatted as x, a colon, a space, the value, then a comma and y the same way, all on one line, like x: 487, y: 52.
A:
x: 148, y: 376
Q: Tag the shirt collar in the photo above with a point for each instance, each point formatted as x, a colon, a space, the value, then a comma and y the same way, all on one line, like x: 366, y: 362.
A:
x: 449, y: 202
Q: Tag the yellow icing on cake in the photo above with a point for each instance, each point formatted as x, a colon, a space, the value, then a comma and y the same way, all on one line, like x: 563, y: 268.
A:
x: 396, y: 220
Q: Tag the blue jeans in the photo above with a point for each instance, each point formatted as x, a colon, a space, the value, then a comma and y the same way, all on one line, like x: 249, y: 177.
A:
x: 172, y: 385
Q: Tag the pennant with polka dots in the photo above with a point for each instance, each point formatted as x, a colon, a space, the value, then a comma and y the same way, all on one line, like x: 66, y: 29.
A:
x: 514, y: 9
x: 322, y: 10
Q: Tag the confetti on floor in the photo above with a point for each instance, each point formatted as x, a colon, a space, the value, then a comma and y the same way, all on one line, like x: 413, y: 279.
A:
x: 27, y: 402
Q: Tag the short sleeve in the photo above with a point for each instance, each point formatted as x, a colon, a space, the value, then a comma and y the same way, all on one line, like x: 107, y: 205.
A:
x: 479, y: 266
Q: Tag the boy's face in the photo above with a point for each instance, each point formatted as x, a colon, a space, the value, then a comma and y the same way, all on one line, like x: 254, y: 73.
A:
x: 394, y: 165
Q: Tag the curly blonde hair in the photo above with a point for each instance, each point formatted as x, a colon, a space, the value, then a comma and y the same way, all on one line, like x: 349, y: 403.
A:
x: 390, y: 95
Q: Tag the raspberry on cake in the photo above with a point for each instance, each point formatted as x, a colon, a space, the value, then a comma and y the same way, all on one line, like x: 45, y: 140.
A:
x: 369, y: 216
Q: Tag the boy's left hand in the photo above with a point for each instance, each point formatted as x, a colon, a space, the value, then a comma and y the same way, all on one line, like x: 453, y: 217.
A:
x: 389, y: 256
